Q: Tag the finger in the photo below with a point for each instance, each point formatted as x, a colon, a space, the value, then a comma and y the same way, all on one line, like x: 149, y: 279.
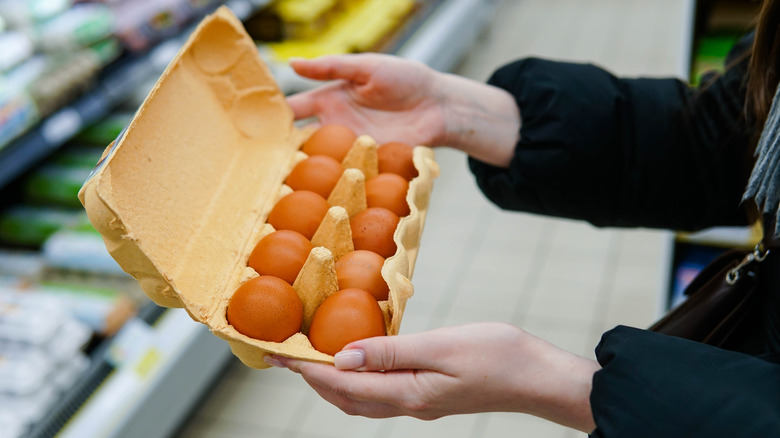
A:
x: 352, y: 406
x: 390, y: 388
x: 309, y: 103
x: 303, y: 105
x: 354, y: 68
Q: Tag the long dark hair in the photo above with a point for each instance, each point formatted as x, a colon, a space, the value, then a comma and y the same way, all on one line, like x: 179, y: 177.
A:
x: 764, y: 68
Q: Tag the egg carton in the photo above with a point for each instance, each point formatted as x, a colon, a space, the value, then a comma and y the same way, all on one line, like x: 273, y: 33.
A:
x: 181, y: 197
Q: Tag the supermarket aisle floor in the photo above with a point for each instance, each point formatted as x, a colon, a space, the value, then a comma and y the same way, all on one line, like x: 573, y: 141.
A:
x: 563, y: 280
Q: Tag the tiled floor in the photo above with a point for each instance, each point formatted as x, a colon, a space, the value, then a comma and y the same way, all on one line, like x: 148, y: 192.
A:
x: 562, y: 280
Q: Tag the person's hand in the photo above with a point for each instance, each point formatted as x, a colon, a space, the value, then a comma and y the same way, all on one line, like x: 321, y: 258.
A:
x: 383, y: 96
x: 392, y: 99
x: 484, y: 367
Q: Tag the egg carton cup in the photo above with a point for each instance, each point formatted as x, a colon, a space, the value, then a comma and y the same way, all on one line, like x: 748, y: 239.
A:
x: 181, y: 197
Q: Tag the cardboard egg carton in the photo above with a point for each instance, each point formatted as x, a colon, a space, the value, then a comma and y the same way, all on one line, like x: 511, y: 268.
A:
x: 181, y: 197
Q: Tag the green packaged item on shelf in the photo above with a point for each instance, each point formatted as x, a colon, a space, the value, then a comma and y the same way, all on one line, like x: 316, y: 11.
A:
x: 78, y: 156
x: 80, y: 26
x: 30, y: 226
x: 106, y: 130
x: 67, y: 75
x: 710, y: 54
x: 106, y: 50
x: 28, y: 12
x: 56, y: 184
x: 716, y: 45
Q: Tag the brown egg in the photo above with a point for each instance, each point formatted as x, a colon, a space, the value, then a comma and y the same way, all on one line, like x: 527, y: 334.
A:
x: 266, y: 308
x: 331, y: 140
x: 396, y: 158
x: 373, y: 229
x: 388, y: 190
x: 300, y: 211
x: 318, y: 173
x: 362, y: 270
x: 281, y: 254
x: 346, y: 316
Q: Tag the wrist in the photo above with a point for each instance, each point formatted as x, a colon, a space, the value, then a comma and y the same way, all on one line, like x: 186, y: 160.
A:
x: 561, y: 391
x: 479, y: 119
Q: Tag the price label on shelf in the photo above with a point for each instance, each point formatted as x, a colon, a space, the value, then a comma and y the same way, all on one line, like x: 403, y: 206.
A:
x: 132, y: 342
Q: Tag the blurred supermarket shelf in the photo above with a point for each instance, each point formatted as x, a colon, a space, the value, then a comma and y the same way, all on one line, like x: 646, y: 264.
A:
x: 114, y: 85
x: 142, y: 382
x: 158, y: 371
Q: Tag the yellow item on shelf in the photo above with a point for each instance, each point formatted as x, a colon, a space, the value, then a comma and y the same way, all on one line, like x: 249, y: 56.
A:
x: 281, y: 52
x: 303, y: 11
x: 358, y: 28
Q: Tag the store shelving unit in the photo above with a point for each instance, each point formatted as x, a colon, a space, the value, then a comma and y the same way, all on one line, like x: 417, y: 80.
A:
x: 158, y: 372
x: 116, y: 84
x: 110, y: 91
x: 146, y: 379
x: 700, y: 247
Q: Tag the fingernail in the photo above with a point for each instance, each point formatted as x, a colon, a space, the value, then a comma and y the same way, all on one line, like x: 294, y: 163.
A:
x: 350, y: 359
x: 274, y: 362
x: 295, y: 59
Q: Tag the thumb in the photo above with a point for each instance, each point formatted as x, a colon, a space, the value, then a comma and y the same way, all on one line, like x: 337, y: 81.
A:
x: 386, y: 353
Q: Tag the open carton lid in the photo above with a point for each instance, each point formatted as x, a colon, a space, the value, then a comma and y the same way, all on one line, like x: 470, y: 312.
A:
x: 182, y: 195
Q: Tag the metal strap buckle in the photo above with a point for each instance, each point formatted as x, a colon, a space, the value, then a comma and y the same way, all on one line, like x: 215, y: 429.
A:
x: 758, y: 255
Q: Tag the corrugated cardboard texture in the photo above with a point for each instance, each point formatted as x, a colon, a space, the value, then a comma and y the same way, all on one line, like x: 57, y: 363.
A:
x: 181, y: 197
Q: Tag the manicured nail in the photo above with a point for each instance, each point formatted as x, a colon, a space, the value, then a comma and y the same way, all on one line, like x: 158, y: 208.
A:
x: 274, y: 362
x: 350, y: 359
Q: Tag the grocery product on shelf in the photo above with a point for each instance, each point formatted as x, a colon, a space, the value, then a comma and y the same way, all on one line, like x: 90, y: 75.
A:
x: 20, y: 265
x: 81, y: 250
x: 70, y: 44
x: 291, y: 19
x: 17, y: 113
x: 82, y: 25
x: 24, y: 14
x: 295, y: 28
x: 145, y: 22
x: 15, y: 47
x: 105, y: 130
x: 68, y: 74
x: 56, y: 184
x: 41, y: 356
x: 30, y: 226
x: 57, y: 50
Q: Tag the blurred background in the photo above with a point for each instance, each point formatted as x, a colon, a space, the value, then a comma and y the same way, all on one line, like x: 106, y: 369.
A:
x: 83, y: 353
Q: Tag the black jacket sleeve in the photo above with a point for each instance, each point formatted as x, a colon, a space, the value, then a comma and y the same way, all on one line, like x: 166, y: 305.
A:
x: 652, y: 385
x: 623, y: 152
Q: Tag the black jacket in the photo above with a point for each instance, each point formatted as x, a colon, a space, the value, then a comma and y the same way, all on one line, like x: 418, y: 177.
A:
x: 649, y: 153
